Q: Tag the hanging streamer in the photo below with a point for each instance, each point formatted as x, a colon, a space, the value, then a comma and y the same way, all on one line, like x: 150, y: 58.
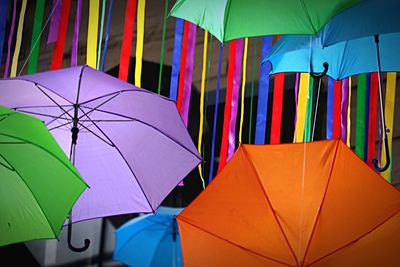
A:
x: 301, y: 107
x: 296, y: 98
x: 203, y: 81
x: 373, y: 101
x: 10, y: 37
x: 337, y: 90
x: 277, y: 108
x: 18, y: 41
x: 329, y: 111
x: 263, y: 91
x: 35, y: 41
x: 58, y: 51
x: 103, y: 12
x: 349, y: 115
x: 309, y: 110
x: 253, y: 73
x: 139, y: 42
x: 389, y: 115
x: 176, y: 59
x: 227, y: 109
x: 3, y: 22
x: 93, y: 26
x: 214, y: 133
x: 246, y: 43
x: 360, y: 114
x: 54, y: 21
x: 162, y: 47
x: 182, y: 67
x: 344, y: 108
x: 75, y: 38
x: 103, y: 59
x: 127, y: 40
x: 235, y: 99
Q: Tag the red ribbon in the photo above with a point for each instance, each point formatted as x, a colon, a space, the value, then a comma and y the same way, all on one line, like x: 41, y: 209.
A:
x: 373, y: 102
x: 227, y: 110
x: 182, y: 67
x: 58, y: 51
x: 337, y: 90
x: 127, y: 40
x: 279, y: 83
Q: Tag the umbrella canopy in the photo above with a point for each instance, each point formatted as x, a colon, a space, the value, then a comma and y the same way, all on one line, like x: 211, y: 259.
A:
x: 129, y: 144
x: 150, y: 240
x: 38, y: 183
x: 304, y: 204
x: 233, y: 19
x: 293, y: 53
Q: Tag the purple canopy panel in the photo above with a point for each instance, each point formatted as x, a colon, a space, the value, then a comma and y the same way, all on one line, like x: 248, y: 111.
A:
x: 132, y: 146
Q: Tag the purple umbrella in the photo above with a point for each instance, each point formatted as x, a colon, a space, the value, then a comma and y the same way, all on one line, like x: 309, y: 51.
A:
x: 129, y: 144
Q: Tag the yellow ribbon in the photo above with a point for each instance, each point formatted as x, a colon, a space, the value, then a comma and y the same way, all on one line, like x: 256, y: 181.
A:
x: 14, y: 64
x: 93, y: 26
x: 202, y: 90
x: 246, y: 43
x: 348, y: 116
x: 389, y: 114
x: 301, y: 107
x: 139, y: 41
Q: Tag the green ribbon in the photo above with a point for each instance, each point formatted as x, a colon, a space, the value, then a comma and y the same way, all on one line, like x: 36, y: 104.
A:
x: 309, y: 111
x: 35, y: 42
x: 360, y: 115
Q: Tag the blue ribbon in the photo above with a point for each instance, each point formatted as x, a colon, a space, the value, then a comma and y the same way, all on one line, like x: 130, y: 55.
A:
x: 263, y: 91
x: 176, y: 59
x: 214, y: 134
x: 329, y: 111
x: 3, y: 20
x: 103, y: 59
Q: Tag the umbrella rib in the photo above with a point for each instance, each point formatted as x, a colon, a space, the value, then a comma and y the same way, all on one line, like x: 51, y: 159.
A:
x: 59, y: 126
x: 59, y: 117
x: 4, y: 165
x: 95, y: 108
x: 232, y: 243
x: 355, y: 240
x: 322, y: 202
x: 268, y: 200
x: 52, y: 100
x: 110, y: 143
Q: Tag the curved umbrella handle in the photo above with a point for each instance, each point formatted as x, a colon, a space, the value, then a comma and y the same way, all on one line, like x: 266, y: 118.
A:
x: 387, y: 153
x: 319, y: 75
x: 70, y: 246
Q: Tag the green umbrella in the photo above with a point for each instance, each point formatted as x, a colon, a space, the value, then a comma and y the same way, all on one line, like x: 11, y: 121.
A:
x: 38, y: 184
x: 233, y: 19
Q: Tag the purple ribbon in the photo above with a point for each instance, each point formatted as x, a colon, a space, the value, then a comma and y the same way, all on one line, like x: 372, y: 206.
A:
x: 10, y: 37
x: 296, y: 95
x: 54, y: 22
x: 344, y: 107
x: 235, y: 97
x: 329, y: 109
x: 75, y: 38
x: 176, y: 59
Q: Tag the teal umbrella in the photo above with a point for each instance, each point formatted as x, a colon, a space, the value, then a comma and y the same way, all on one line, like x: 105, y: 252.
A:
x: 38, y: 184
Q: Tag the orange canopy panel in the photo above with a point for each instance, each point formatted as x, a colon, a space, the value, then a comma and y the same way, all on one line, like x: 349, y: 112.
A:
x: 306, y: 204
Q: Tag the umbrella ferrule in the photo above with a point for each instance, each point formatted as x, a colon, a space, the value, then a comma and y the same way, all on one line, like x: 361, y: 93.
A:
x: 74, y: 131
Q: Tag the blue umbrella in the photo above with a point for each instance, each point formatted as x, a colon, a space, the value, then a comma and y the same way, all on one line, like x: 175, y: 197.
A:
x: 151, y: 240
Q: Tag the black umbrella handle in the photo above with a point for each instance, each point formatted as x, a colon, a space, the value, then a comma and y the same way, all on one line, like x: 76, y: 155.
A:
x: 387, y: 153
x: 70, y: 246
x: 319, y: 75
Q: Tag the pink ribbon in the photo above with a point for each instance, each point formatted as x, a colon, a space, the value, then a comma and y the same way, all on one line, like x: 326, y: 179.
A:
x: 343, y: 108
x: 75, y: 38
x: 55, y: 21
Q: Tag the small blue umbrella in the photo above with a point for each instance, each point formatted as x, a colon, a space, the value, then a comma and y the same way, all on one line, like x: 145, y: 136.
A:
x: 151, y: 240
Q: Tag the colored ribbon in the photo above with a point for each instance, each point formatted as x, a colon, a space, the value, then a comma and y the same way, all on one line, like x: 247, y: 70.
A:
x: 18, y: 41
x: 301, y: 107
x: 309, y: 110
x: 202, y: 89
x: 58, y: 51
x: 103, y: 12
x: 263, y: 92
x: 279, y: 83
x: 235, y: 99
x: 296, y: 97
x: 10, y: 37
x: 227, y: 109
x: 367, y: 103
x: 55, y: 21
x: 344, y: 108
x: 182, y: 67
x: 139, y: 42
x: 214, y: 133
x: 373, y: 102
x: 35, y: 41
x: 3, y: 22
x: 389, y: 115
x: 329, y: 111
x: 103, y: 59
x: 75, y: 37
x: 93, y: 27
x: 127, y: 40
x: 253, y: 72
x: 246, y: 44
x: 162, y: 47
x: 349, y: 115
x: 176, y: 59
x: 337, y: 89
x: 360, y: 114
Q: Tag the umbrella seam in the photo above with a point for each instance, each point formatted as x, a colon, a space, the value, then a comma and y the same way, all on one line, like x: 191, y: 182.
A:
x: 226, y: 13
x: 342, y: 61
x: 322, y: 202
x: 249, y: 160
x: 183, y: 219
x: 303, y: 5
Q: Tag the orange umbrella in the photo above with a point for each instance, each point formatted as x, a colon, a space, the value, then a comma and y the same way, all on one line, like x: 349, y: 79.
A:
x: 308, y: 204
